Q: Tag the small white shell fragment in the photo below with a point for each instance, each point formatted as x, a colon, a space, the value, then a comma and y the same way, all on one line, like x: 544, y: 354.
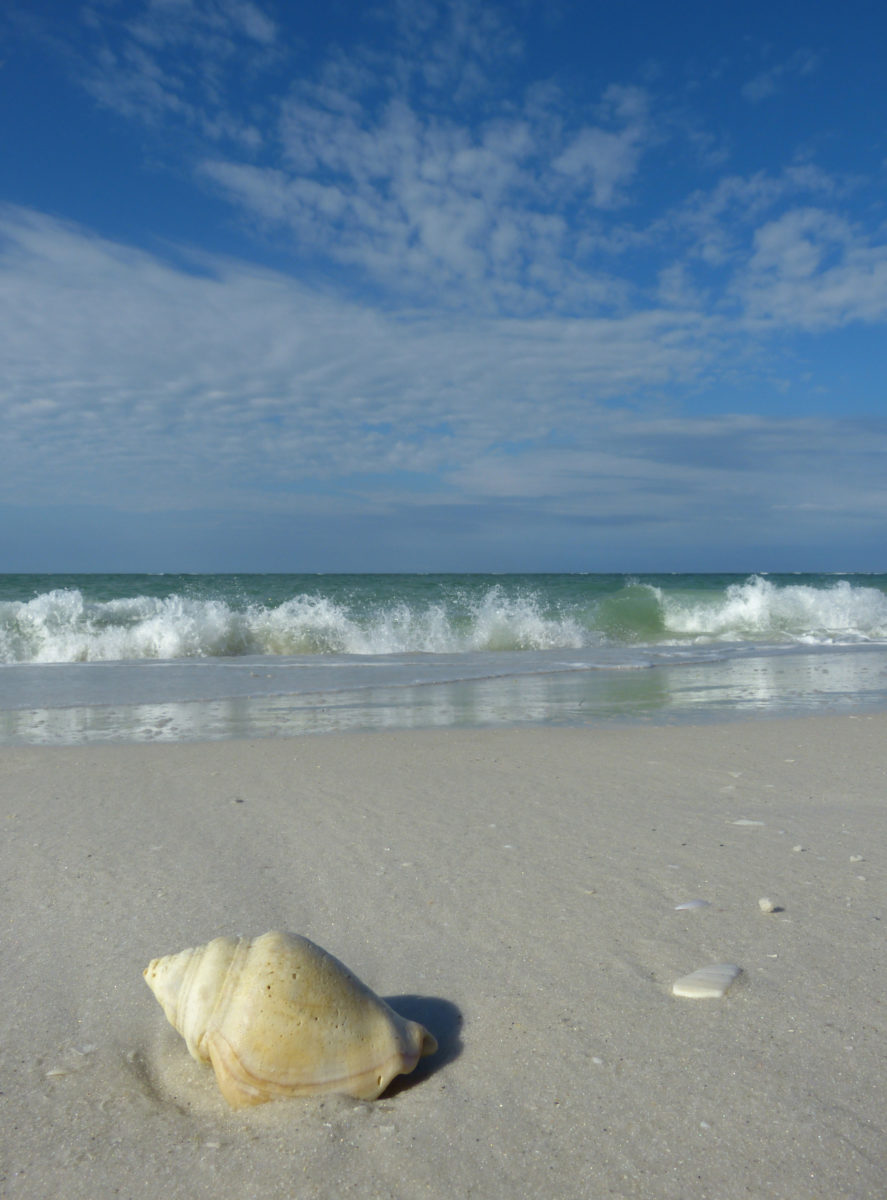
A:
x: 708, y: 983
x: 766, y: 905
x: 692, y: 904
x: 743, y: 821
x: 856, y: 858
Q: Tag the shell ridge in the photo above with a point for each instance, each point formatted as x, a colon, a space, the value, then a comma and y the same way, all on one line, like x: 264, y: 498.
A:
x: 195, y: 1026
x: 228, y: 983
x: 241, y: 1087
x: 235, y: 1083
x: 191, y: 971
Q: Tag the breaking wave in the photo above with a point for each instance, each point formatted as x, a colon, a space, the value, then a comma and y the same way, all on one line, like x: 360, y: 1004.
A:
x: 61, y: 626
x: 569, y: 612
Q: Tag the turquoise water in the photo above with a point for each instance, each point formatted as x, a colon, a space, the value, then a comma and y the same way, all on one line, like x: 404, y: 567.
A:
x: 147, y: 657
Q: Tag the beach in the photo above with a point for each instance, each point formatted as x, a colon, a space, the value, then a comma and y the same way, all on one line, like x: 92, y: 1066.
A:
x: 515, y: 890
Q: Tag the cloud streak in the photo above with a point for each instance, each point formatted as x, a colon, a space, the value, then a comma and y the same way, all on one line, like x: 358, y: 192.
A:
x: 107, y: 339
x: 235, y: 388
x: 775, y: 78
x: 489, y: 294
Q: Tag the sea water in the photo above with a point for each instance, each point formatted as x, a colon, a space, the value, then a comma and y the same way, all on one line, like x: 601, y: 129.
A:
x: 181, y: 657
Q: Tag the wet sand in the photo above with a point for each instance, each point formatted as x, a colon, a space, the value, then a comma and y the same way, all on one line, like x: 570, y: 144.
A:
x: 514, y: 890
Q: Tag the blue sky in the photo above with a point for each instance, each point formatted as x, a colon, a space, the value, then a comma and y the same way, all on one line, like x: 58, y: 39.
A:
x: 443, y: 286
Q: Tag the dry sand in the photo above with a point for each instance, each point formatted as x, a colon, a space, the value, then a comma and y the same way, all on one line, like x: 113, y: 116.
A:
x: 514, y: 890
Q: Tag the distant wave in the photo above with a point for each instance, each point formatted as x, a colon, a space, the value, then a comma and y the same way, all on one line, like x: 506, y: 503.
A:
x: 61, y: 625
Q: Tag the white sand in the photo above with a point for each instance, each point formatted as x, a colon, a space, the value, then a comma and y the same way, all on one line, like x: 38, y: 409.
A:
x: 516, y: 890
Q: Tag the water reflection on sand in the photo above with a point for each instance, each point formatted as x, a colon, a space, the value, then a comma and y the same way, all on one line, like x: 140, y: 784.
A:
x: 842, y: 680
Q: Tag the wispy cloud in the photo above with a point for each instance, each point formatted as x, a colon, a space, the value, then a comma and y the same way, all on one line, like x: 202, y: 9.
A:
x: 235, y: 388
x: 411, y: 164
x: 449, y: 48
x: 601, y: 160
x: 230, y: 366
x: 483, y: 213
x: 416, y: 165
x: 496, y: 291
x: 178, y: 60
x: 775, y: 78
x: 737, y: 470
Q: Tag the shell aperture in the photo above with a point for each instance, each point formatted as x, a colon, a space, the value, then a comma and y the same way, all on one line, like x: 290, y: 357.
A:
x: 278, y: 1016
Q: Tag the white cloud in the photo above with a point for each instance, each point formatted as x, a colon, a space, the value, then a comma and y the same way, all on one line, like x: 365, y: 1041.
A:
x: 812, y: 270
x: 137, y: 386
x: 408, y: 167
x: 498, y: 290
x: 232, y: 388
x: 176, y: 59
x: 603, y: 159
x: 718, y: 220
x: 481, y: 213
x: 759, y: 247
x: 407, y: 159
x: 125, y: 371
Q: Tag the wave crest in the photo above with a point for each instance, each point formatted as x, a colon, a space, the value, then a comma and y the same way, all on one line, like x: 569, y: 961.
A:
x: 758, y: 609
x: 61, y: 625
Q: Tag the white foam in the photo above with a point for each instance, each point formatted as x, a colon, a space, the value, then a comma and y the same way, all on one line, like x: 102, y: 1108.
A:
x: 758, y: 608
x: 60, y: 626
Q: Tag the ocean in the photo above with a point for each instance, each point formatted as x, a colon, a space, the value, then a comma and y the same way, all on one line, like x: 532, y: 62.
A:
x: 132, y: 658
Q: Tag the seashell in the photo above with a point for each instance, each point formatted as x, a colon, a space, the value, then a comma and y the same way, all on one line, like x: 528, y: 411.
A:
x: 278, y: 1016
x: 708, y: 983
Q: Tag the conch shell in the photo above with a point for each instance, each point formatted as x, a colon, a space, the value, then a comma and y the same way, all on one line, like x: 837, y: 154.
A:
x: 278, y: 1016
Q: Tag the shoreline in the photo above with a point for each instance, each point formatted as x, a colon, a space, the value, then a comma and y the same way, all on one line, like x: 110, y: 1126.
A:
x: 513, y: 889
x: 168, y: 702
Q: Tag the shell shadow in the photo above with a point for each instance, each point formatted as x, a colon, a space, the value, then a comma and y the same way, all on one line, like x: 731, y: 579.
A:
x: 440, y: 1017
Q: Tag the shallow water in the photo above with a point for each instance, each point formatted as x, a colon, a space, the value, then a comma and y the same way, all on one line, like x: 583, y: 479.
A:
x: 75, y: 703
x: 123, y: 658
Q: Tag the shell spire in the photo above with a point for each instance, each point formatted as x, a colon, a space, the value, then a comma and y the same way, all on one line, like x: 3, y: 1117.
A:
x: 278, y: 1016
